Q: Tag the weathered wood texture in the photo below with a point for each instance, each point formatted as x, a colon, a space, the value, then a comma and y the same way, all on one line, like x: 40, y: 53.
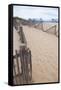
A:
x: 25, y: 75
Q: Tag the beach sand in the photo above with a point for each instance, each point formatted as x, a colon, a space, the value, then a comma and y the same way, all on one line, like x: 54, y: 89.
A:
x: 44, y: 50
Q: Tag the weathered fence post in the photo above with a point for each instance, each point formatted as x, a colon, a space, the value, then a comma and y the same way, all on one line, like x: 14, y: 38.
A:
x: 55, y: 29
x: 42, y: 25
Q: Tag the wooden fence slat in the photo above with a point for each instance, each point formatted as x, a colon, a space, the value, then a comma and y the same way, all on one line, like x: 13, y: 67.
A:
x: 18, y: 67
x: 22, y: 64
x: 26, y: 67
x: 15, y: 74
x: 30, y: 64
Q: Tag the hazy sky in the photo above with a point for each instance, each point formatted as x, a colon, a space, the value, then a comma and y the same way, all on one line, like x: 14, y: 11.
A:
x: 35, y: 12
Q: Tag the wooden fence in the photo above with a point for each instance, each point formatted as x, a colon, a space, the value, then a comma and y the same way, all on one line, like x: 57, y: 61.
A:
x: 22, y: 67
x: 22, y: 64
x: 52, y: 30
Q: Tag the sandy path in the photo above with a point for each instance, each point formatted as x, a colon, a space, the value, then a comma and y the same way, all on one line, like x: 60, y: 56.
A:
x: 44, y: 49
